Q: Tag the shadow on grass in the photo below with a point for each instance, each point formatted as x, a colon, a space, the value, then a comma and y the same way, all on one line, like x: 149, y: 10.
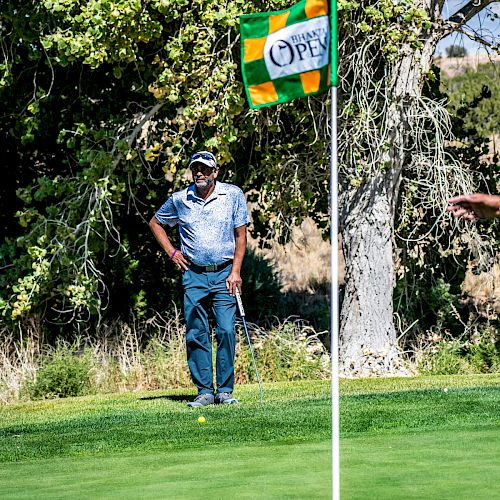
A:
x: 172, y: 397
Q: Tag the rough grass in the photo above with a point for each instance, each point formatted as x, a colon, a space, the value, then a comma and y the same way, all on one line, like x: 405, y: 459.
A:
x: 124, y: 357
x: 400, y: 438
x: 303, y: 262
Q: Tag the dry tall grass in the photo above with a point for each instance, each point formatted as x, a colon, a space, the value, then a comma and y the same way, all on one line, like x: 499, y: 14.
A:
x: 303, y: 262
x: 151, y: 354
x: 18, y: 359
x: 483, y: 291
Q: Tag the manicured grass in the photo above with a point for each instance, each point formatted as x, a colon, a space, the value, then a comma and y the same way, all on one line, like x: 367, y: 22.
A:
x: 213, y: 472
x: 401, y: 438
x: 144, y: 422
x: 449, y: 464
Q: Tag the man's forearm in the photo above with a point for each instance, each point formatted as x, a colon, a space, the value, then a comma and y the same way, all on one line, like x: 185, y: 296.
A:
x: 176, y: 256
x: 161, y: 236
x: 475, y: 206
x: 240, y: 234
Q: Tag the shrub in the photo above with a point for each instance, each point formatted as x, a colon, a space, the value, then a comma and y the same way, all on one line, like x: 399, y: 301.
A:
x: 445, y: 358
x: 478, y: 354
x: 289, y: 351
x: 62, y: 374
x: 119, y: 360
x: 484, y: 352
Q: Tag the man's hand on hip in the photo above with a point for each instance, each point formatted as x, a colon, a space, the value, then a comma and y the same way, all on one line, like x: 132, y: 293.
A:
x: 180, y: 261
x: 233, y: 281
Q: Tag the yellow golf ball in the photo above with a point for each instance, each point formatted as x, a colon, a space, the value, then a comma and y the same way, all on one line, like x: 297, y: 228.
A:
x: 202, y: 420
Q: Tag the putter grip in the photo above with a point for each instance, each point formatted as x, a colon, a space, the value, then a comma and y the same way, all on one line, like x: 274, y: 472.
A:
x: 240, y: 303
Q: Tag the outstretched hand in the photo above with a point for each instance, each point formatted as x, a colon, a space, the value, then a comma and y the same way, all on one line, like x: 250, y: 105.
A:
x: 475, y: 206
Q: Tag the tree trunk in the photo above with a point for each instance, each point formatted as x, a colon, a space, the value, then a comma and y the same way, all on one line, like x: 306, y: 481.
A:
x: 368, y: 339
x: 368, y: 344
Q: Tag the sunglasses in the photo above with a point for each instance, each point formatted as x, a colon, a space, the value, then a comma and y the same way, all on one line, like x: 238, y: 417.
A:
x: 200, y: 167
x: 204, y: 156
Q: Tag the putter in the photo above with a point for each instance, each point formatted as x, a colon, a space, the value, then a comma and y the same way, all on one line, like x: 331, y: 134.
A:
x: 242, y: 314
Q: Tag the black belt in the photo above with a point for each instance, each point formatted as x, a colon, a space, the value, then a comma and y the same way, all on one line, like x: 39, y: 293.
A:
x: 212, y: 268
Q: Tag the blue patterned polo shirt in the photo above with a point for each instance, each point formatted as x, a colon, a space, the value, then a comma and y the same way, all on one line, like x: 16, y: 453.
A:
x: 206, y: 227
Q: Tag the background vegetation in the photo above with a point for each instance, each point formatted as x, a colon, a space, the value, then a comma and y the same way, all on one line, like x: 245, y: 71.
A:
x: 102, y: 102
x: 444, y: 297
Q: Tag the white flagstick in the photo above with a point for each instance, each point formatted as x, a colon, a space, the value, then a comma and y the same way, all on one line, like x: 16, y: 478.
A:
x: 334, y: 296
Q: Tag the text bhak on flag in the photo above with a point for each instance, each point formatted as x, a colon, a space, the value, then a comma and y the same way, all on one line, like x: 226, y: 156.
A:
x: 286, y: 55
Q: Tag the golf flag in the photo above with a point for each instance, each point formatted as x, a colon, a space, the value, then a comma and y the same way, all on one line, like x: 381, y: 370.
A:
x: 289, y: 54
x: 285, y: 55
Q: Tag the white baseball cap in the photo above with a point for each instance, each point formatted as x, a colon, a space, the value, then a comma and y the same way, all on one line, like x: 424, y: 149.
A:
x: 204, y: 157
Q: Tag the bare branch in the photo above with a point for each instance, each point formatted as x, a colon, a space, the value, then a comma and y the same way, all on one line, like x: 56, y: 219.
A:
x: 468, y: 11
x: 435, y: 7
x: 147, y: 116
x: 476, y: 38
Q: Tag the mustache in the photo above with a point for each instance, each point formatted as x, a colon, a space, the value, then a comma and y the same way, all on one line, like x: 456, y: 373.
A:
x: 203, y: 181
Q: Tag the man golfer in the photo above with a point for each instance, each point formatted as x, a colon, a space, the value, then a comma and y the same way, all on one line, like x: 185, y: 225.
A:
x: 212, y: 218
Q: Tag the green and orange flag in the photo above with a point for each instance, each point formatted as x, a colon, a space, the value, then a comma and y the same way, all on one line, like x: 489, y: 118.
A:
x: 289, y: 54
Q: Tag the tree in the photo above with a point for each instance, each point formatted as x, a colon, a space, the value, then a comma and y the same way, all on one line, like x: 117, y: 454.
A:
x: 456, y: 51
x: 483, y: 115
x: 394, y: 131
x: 103, y: 100
x: 391, y: 136
x: 99, y: 97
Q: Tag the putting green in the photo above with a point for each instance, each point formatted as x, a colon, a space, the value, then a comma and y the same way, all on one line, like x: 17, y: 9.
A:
x: 400, y: 439
x: 429, y: 465
x: 277, y: 471
x: 423, y: 465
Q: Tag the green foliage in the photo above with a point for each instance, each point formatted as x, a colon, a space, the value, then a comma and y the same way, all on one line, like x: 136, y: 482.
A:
x: 124, y: 91
x: 121, y: 92
x: 454, y: 356
x: 474, y: 96
x: 99, y: 31
x: 392, y: 23
x: 103, y: 101
x: 62, y: 374
x: 445, y: 358
x: 484, y: 351
x: 288, y: 351
x: 439, y: 300
x: 262, y: 288
x: 432, y: 269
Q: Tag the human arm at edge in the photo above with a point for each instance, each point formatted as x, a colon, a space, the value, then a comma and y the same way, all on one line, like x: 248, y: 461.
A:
x: 475, y: 206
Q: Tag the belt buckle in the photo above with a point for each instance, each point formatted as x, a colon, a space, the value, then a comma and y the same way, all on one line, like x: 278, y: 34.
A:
x: 211, y: 268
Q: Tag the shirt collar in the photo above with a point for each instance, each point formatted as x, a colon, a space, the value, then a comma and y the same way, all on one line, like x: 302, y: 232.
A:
x: 218, y: 190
